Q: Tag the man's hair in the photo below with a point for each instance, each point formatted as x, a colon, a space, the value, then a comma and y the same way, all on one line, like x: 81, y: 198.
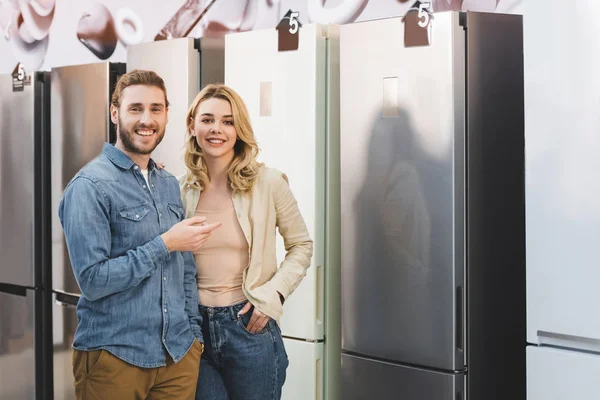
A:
x: 137, y: 77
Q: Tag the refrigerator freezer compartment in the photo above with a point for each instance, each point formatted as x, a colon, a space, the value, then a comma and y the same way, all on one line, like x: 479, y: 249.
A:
x: 304, y: 377
x: 364, y: 378
x: 17, y: 346
x: 554, y: 374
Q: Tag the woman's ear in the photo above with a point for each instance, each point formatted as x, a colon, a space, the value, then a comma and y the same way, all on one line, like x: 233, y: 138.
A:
x: 191, y: 127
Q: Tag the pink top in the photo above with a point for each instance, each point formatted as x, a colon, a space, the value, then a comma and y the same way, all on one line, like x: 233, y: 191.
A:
x: 222, y: 260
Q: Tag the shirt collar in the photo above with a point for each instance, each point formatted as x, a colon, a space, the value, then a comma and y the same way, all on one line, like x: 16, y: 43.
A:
x: 121, y: 159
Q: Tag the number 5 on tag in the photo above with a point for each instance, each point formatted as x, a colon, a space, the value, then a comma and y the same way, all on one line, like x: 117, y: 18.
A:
x: 424, y: 15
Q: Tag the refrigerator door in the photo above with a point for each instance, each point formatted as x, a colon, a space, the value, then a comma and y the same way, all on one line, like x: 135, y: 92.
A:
x: 285, y: 94
x: 563, y: 191
x: 17, y: 182
x: 18, y: 342
x: 554, y: 374
x: 80, y: 126
x: 304, y: 376
x: 363, y: 378
x: 186, y: 65
x: 402, y: 200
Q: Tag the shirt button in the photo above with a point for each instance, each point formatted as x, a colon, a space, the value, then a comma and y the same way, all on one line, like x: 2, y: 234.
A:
x: 164, y: 278
x: 137, y: 217
x: 144, y: 186
x: 160, y: 214
x: 135, y: 167
x: 152, y: 185
x: 165, y: 310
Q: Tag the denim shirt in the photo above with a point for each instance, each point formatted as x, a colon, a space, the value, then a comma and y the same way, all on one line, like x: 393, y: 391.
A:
x: 138, y: 300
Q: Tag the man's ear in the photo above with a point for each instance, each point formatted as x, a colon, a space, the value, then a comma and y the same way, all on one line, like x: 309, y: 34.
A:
x: 114, y: 114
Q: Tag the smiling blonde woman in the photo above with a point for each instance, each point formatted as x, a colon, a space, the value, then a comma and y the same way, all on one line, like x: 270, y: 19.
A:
x: 240, y: 286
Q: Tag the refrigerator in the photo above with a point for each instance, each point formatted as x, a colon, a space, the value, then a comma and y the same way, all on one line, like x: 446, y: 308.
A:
x: 293, y: 101
x: 80, y: 125
x: 432, y: 209
x: 186, y: 65
x: 563, y: 191
x: 24, y: 223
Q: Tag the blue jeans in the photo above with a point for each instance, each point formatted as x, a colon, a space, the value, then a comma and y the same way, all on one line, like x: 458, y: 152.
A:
x: 237, y: 364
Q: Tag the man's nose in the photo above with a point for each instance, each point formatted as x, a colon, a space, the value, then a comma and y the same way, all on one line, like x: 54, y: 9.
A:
x: 146, y: 117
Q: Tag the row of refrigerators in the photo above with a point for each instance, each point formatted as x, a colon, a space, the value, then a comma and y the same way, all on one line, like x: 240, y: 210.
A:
x: 395, y: 154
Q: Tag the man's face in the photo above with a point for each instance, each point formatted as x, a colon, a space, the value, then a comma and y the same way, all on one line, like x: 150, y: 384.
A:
x: 141, y: 118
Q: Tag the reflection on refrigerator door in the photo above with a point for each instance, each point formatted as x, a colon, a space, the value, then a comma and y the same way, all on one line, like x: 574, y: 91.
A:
x: 398, y: 195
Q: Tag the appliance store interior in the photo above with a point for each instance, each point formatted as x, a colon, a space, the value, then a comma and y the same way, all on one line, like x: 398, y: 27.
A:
x: 438, y: 158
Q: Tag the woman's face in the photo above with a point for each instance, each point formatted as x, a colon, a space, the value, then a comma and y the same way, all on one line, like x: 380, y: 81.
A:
x: 214, y: 129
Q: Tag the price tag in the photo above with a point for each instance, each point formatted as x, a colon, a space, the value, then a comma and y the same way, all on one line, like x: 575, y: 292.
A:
x: 288, y: 31
x: 417, y: 24
x: 19, y: 78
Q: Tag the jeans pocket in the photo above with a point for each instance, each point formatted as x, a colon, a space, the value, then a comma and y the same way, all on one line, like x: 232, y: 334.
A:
x: 243, y: 321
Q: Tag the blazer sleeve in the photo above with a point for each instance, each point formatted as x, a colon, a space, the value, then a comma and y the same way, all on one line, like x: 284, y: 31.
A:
x: 298, y: 244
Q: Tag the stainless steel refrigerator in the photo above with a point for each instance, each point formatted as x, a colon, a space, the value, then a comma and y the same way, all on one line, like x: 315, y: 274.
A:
x: 24, y: 253
x: 432, y: 209
x: 80, y: 125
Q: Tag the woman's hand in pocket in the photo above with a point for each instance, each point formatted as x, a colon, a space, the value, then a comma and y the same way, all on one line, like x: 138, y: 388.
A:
x: 258, y: 320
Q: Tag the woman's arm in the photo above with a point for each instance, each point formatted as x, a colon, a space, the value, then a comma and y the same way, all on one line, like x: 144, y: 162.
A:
x: 297, y: 242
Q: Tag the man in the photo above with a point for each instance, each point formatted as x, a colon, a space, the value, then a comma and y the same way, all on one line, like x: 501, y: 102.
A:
x: 139, y: 330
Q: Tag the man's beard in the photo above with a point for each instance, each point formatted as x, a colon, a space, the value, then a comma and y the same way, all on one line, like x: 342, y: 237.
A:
x: 126, y: 137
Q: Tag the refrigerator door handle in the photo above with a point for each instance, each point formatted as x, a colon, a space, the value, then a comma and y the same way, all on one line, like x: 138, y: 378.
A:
x: 13, y: 289
x: 66, y: 299
x: 459, y: 318
x: 562, y: 340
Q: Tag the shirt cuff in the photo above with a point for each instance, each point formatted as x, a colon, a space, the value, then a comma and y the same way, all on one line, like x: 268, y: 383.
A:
x: 280, y: 286
x: 159, y: 249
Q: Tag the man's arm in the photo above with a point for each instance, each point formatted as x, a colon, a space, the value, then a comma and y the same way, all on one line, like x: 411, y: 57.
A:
x: 84, y: 213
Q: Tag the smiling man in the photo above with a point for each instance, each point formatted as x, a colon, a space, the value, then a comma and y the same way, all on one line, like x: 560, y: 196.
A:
x: 138, y: 333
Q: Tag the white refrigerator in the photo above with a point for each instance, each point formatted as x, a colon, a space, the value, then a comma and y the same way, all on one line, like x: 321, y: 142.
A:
x: 562, y: 60
x: 293, y: 101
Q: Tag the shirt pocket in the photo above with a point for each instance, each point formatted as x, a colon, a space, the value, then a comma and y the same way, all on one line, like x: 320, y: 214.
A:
x: 131, y: 220
x: 175, y: 212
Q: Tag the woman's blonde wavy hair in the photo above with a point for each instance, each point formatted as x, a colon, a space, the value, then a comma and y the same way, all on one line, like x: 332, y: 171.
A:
x: 243, y: 169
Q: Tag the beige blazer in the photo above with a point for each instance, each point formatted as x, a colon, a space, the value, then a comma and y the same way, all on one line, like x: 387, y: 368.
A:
x: 270, y: 205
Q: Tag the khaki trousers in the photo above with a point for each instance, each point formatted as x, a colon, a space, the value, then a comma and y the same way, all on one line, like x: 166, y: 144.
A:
x: 99, y: 375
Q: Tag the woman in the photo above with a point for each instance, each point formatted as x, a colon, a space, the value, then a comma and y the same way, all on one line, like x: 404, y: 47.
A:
x: 241, y: 289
